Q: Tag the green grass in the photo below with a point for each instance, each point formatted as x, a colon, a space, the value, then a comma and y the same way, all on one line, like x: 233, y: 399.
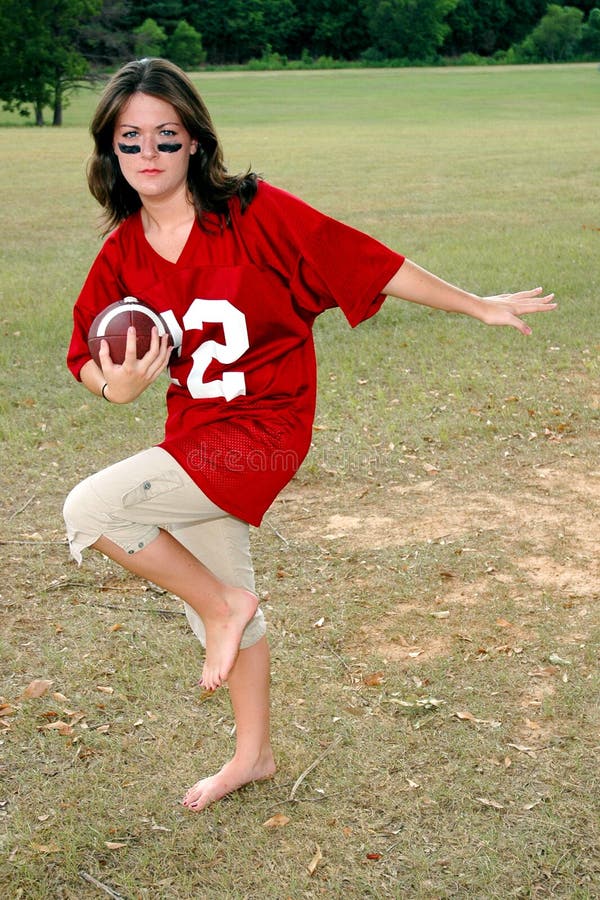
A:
x: 443, y: 530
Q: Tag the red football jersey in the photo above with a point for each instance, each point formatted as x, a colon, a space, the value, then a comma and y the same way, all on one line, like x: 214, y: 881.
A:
x: 241, y: 302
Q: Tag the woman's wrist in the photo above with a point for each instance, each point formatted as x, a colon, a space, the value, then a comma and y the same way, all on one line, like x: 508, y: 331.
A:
x: 103, y: 392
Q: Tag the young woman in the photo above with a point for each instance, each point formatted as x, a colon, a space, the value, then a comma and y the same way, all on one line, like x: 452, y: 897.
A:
x: 239, y: 270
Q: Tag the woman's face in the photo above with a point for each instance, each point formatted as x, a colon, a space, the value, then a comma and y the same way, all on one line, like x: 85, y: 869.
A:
x: 153, y: 147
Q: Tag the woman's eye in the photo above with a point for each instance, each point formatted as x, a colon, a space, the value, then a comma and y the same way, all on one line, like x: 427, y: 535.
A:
x: 129, y: 135
x: 168, y: 132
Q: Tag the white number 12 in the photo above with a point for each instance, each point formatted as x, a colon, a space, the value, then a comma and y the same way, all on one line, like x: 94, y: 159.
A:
x: 232, y: 384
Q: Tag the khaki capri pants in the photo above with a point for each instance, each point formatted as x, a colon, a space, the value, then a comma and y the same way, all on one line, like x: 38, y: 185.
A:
x: 130, y: 501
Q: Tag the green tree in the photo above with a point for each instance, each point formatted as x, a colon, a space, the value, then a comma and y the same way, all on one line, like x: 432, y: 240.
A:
x: 232, y: 30
x: 485, y: 26
x: 408, y: 29
x: 105, y: 40
x: 281, y: 22
x: 184, y: 46
x: 590, y: 35
x: 149, y: 38
x: 39, y: 60
x: 167, y: 13
x: 558, y: 33
x: 585, y: 5
x: 331, y: 28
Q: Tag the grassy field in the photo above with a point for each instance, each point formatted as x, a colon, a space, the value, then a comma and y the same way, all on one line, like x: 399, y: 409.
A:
x: 431, y: 577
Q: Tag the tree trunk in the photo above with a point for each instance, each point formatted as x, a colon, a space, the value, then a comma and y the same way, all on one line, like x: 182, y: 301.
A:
x: 58, y: 106
x: 39, y: 114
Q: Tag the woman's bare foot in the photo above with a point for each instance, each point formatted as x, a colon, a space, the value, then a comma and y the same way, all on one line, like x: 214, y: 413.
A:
x: 223, y: 636
x: 234, y: 775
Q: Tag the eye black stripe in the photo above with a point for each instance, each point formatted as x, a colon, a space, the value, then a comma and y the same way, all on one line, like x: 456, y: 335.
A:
x: 169, y: 148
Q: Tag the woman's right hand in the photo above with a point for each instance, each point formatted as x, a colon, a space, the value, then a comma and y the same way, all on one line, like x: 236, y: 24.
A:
x: 124, y: 382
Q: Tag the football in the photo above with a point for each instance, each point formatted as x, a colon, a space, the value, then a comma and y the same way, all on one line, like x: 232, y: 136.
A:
x: 112, y: 323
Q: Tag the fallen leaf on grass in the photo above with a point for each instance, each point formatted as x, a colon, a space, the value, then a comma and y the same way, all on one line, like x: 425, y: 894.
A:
x: 373, y: 680
x: 426, y: 702
x: 530, y: 751
x: 493, y: 803
x: 546, y: 672
x: 429, y: 702
x: 36, y: 688
x: 466, y: 716
x: 7, y: 710
x: 75, y: 717
x: 533, y: 726
x: 114, y: 845
x: 558, y: 660
x: 60, y: 726
x: 374, y: 856
x: 312, y: 866
x: 277, y: 821
x: 442, y: 614
x: 52, y: 847
x: 104, y: 689
x: 84, y: 753
x: 508, y: 649
x: 503, y: 623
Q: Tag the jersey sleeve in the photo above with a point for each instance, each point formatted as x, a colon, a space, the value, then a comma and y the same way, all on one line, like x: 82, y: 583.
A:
x: 326, y: 262
x: 101, y: 287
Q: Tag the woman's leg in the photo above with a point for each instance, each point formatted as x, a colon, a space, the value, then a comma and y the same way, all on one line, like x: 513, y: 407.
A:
x: 253, y: 757
x: 224, y: 546
x: 206, y: 560
x: 118, y: 511
x: 224, y: 610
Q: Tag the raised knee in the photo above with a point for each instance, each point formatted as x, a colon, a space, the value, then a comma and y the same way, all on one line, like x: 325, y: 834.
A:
x: 84, y: 525
x: 77, y: 504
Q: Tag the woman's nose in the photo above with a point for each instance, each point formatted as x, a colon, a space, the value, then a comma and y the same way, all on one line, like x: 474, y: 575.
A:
x: 149, y: 147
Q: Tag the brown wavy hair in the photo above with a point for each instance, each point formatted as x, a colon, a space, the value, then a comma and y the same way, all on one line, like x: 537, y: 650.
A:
x: 210, y: 186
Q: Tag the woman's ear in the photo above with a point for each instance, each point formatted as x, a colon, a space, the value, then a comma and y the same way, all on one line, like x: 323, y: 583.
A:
x: 193, y: 147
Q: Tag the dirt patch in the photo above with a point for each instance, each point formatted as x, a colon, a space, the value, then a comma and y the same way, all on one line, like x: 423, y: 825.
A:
x: 399, y: 649
x: 544, y: 528
x: 576, y: 578
x: 549, y: 506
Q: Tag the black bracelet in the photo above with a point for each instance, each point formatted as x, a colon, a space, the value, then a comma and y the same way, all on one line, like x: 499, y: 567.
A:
x: 104, y: 386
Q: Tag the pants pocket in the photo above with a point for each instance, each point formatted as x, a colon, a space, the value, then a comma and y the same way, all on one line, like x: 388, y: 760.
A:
x: 152, y: 488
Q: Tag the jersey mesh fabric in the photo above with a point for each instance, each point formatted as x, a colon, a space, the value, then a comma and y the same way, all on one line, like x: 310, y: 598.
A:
x: 241, y: 302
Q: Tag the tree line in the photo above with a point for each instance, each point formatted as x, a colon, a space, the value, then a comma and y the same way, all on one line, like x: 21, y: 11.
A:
x: 50, y: 46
